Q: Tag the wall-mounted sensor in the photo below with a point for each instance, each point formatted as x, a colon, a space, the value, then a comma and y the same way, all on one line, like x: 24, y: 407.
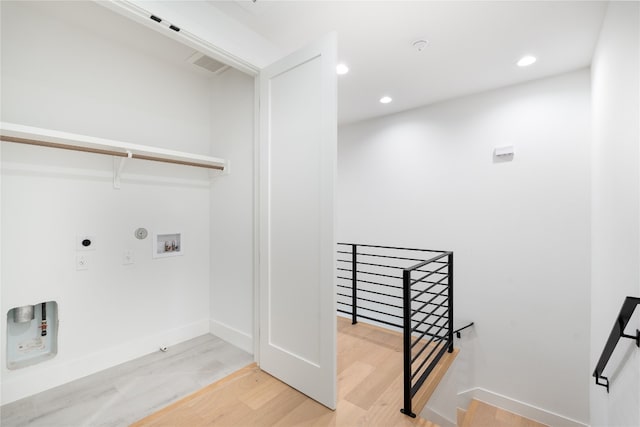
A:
x: 503, y: 151
x: 503, y: 154
x: 85, y: 243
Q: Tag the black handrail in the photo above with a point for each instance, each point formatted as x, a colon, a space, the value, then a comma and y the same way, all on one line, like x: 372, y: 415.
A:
x: 425, y: 313
x: 468, y: 325
x: 617, y: 332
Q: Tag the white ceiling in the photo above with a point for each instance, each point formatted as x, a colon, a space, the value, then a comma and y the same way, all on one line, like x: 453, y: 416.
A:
x: 473, y: 44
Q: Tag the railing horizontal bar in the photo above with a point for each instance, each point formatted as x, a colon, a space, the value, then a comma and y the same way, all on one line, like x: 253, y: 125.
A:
x: 429, y: 342
x: 379, y: 293
x: 344, y: 303
x: 381, y: 274
x: 431, y: 315
x: 430, y: 368
x: 343, y: 295
x: 433, y: 312
x: 379, y: 312
x: 381, y: 284
x: 429, y: 261
x: 390, y: 247
x: 431, y: 325
x: 391, y: 266
x: 437, y: 343
x: 430, y: 302
x: 391, y: 257
x: 379, y: 302
x: 371, y: 282
x: 436, y: 346
x: 344, y: 286
x: 427, y: 303
x: 428, y: 282
x: 440, y: 316
x: 431, y: 273
x: 344, y: 269
x: 426, y: 290
x: 344, y: 312
x: 380, y: 265
x: 432, y: 335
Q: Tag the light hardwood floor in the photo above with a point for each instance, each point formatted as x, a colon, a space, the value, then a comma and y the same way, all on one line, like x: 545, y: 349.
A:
x: 481, y: 414
x: 121, y: 395
x: 369, y: 391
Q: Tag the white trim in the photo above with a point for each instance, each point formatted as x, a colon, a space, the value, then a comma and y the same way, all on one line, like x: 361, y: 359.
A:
x: 517, y: 407
x: 232, y: 335
x: 256, y: 220
x: 50, y: 374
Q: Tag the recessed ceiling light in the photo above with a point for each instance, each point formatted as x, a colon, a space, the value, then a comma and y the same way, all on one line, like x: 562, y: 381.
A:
x: 385, y: 100
x: 342, y: 69
x: 525, y: 61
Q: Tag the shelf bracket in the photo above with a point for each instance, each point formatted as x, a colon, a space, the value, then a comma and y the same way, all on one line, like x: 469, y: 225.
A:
x: 118, y: 165
x: 636, y: 338
x: 604, y: 383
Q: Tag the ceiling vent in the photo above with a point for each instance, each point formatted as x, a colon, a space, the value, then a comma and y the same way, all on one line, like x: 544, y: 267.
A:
x: 208, y: 63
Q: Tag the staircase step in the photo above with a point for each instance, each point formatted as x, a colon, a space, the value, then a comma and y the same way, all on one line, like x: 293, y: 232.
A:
x: 423, y: 395
x: 421, y: 422
x: 481, y: 414
x: 460, y: 414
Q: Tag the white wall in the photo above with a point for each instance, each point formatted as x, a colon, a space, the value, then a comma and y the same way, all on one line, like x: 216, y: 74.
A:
x: 80, y: 68
x: 232, y: 206
x: 520, y: 230
x: 616, y: 210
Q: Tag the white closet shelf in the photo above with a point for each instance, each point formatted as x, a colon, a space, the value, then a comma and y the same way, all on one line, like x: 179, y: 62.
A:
x: 21, y: 134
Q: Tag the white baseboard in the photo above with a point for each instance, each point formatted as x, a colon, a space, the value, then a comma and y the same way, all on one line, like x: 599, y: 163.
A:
x: 55, y: 372
x: 517, y: 407
x: 232, y: 335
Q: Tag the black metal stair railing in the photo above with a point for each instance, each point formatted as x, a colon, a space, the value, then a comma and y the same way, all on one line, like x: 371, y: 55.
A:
x: 626, y: 312
x: 411, y: 289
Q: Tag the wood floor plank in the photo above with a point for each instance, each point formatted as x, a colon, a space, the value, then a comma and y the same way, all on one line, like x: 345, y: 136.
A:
x: 353, y: 376
x: 369, y: 392
x: 375, y: 383
x: 481, y: 414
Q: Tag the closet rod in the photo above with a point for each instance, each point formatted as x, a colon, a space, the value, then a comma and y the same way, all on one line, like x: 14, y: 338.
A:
x: 107, y: 152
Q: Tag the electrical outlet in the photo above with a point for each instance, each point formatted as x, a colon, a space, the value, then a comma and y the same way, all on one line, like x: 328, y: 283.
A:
x: 82, y: 262
x: 127, y: 257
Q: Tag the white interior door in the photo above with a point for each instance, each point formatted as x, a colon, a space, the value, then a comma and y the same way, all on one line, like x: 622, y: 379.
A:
x: 298, y: 132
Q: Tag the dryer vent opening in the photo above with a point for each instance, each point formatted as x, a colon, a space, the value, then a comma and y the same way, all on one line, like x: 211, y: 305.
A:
x: 206, y: 62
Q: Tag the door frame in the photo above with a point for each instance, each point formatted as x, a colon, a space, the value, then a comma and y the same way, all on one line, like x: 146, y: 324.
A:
x: 135, y: 11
